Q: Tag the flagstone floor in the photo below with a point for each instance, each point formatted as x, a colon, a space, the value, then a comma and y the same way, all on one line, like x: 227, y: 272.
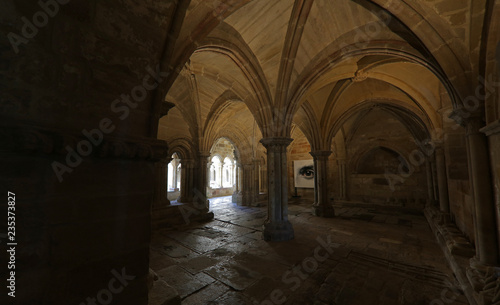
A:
x: 363, y: 256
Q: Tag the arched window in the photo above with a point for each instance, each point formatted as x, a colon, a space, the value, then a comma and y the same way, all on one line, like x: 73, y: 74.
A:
x: 227, y: 170
x: 215, y: 169
x: 179, y: 176
x: 174, y: 177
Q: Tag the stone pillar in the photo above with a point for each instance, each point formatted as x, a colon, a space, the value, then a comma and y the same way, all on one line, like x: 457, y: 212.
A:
x: 486, y: 226
x: 256, y: 180
x: 277, y: 227
x: 342, y: 179
x: 492, y: 131
x: 430, y: 181
x: 322, y: 206
x: 442, y: 177
x: 246, y: 184
x: 434, y: 180
x: 237, y: 196
x: 187, y: 182
x: 200, y: 192
x: 221, y: 174
x: 236, y: 178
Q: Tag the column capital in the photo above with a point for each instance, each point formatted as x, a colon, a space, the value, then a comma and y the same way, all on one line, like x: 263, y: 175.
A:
x: 474, y: 124
x: 320, y: 153
x: 247, y: 166
x: 270, y: 142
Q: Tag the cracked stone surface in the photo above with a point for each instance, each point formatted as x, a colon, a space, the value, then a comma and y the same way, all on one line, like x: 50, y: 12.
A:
x: 362, y: 256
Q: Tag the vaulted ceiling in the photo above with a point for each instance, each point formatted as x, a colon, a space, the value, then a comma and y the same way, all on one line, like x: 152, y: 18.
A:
x: 313, y: 64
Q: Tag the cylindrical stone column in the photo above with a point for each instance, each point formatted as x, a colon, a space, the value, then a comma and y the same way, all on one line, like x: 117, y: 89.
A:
x: 187, y: 182
x: 430, y: 182
x: 486, y: 226
x: 277, y: 227
x: 342, y: 179
x: 442, y: 177
x: 247, y: 183
x: 322, y: 206
x: 256, y: 186
x: 237, y: 179
x: 200, y: 193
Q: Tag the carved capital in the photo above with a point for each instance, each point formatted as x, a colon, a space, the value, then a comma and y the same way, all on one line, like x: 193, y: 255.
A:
x: 320, y: 154
x: 276, y: 143
x: 473, y: 125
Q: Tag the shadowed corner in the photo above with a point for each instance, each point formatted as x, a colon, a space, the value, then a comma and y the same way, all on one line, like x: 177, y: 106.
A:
x: 498, y: 55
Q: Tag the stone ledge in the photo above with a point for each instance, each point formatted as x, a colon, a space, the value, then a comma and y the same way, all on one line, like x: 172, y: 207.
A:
x: 458, y: 263
x: 491, y: 129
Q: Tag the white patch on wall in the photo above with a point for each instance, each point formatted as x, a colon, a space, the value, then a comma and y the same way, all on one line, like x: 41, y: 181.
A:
x: 303, y: 173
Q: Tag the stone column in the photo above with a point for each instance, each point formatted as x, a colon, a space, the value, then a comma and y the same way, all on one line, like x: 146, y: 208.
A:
x: 202, y: 182
x: 322, y: 206
x: 442, y: 177
x: 430, y: 181
x: 277, y: 227
x: 492, y: 131
x: 221, y: 174
x: 247, y: 181
x: 342, y: 179
x: 187, y: 182
x: 256, y: 178
x: 434, y: 180
x: 237, y: 178
x: 486, y: 226
x: 237, y: 197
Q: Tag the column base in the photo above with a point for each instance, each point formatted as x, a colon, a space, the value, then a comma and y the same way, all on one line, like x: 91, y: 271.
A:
x: 237, y: 198
x: 326, y: 211
x: 278, y: 231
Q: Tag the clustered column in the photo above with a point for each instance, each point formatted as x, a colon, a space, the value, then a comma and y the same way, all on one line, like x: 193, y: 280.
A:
x: 277, y: 227
x: 322, y: 206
